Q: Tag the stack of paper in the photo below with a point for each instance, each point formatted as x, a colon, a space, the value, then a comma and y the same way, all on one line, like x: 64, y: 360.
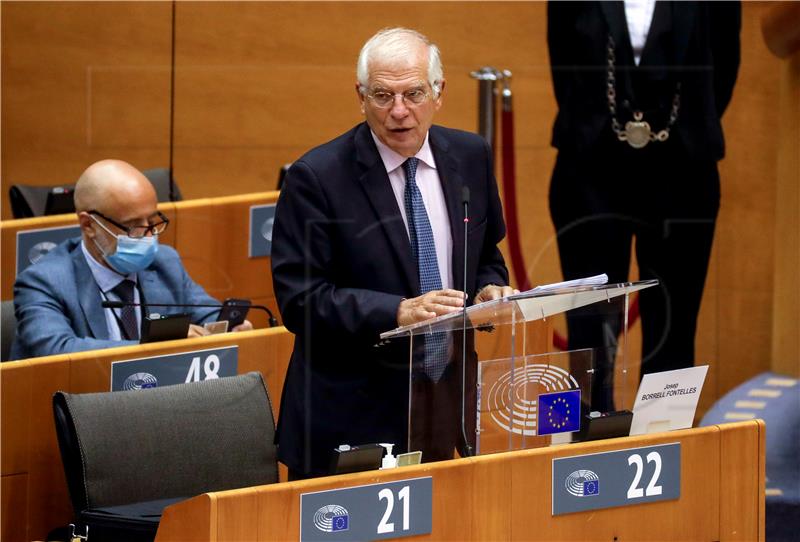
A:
x: 597, y: 280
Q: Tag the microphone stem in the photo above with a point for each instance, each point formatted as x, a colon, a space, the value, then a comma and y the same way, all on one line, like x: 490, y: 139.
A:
x: 468, y: 451
x: 273, y: 322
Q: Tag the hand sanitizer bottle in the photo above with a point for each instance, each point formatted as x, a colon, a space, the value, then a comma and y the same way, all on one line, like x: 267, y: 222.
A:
x: 389, y: 461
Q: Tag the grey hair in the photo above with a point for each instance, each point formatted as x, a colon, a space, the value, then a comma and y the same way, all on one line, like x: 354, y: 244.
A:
x: 392, y: 44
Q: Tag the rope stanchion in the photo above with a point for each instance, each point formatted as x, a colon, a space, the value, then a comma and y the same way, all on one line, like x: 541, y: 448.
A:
x: 510, y: 187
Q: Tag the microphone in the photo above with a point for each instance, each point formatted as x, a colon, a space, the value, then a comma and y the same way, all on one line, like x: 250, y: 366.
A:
x: 468, y: 451
x: 273, y: 322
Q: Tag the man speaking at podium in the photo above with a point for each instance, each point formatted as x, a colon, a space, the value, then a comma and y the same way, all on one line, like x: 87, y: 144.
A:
x: 117, y: 258
x: 369, y: 236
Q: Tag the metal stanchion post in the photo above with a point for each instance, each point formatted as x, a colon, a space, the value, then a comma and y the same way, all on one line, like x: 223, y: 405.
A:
x: 487, y: 77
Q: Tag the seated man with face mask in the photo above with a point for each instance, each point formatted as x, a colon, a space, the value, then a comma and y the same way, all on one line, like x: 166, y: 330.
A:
x: 117, y: 258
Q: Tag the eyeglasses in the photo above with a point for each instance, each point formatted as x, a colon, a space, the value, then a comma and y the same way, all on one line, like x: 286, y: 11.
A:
x: 137, y: 232
x: 411, y: 97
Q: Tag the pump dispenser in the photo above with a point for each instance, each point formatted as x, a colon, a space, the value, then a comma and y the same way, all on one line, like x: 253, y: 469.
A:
x: 389, y: 461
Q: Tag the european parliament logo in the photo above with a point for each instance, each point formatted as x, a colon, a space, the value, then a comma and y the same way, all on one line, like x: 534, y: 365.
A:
x: 332, y: 518
x: 140, y: 381
x: 559, y: 412
x: 583, y: 483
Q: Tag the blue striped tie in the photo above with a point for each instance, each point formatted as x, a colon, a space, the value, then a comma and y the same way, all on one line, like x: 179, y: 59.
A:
x: 424, y: 250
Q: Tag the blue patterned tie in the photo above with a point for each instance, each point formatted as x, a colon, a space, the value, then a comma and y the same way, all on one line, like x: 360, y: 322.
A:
x: 424, y: 250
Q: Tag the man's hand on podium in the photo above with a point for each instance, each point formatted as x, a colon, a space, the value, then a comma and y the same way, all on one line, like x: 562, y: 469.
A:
x: 429, y: 305
x: 492, y: 291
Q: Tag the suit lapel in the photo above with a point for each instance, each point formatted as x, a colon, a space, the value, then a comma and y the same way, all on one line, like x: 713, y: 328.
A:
x: 89, y: 295
x: 657, y: 53
x: 614, y: 12
x: 452, y: 184
x: 376, y: 185
x: 683, y: 15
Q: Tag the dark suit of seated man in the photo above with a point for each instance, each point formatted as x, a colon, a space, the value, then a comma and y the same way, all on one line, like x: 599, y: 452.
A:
x: 117, y: 258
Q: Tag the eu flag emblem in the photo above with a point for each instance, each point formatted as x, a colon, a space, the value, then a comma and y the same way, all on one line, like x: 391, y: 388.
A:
x: 559, y: 412
x: 340, y: 523
x: 591, y: 487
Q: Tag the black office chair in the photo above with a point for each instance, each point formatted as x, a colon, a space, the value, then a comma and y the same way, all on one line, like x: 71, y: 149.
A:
x: 160, y: 179
x: 30, y: 200
x: 129, y: 454
x: 8, y: 329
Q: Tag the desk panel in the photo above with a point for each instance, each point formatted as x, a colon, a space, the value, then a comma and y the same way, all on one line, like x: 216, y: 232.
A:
x: 29, y: 447
x: 507, y: 497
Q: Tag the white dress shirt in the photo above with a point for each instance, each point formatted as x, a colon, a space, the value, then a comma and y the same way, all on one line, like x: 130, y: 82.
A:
x: 430, y: 187
x: 639, y: 14
x: 107, y: 280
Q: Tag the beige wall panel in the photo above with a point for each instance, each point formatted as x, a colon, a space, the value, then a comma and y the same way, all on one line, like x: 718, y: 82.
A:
x: 744, y: 240
x: 82, y: 81
x: 259, y: 84
x: 786, y: 315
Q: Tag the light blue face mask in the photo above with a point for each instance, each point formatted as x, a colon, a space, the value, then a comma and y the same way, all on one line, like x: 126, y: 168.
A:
x: 132, y: 254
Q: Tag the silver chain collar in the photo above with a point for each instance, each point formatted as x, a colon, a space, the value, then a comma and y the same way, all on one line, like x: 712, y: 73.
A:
x: 637, y: 132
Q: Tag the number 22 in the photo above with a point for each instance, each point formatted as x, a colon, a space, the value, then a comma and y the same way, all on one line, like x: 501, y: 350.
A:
x: 635, y: 492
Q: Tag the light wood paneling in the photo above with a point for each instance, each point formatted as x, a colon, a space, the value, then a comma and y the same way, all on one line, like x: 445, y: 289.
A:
x: 743, y: 246
x: 82, y: 82
x: 742, y: 513
x: 199, y: 523
x: 16, y: 384
x: 14, y: 507
x: 781, y: 27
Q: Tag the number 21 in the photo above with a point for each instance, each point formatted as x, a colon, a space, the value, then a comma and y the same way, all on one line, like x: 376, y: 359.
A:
x: 386, y: 526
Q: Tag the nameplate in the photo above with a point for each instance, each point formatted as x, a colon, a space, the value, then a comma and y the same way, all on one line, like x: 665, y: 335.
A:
x: 617, y: 478
x: 262, y: 217
x: 171, y: 369
x: 33, y: 245
x: 370, y: 512
x: 667, y: 400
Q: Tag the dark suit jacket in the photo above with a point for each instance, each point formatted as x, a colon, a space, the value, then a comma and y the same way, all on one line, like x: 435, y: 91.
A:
x: 341, y: 264
x: 696, y: 43
x: 57, y: 301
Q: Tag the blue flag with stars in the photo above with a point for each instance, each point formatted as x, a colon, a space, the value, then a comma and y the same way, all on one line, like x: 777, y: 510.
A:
x: 559, y: 412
